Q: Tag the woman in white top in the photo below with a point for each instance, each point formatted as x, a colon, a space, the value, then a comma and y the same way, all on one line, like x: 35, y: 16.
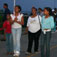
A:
x: 17, y: 21
x: 33, y: 26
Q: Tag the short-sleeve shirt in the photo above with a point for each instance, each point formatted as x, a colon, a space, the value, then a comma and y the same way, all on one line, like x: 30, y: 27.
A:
x: 33, y: 24
x: 7, y: 26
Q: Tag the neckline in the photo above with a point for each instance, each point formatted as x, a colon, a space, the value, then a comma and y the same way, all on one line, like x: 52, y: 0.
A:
x: 34, y: 17
x: 17, y: 15
x: 47, y: 18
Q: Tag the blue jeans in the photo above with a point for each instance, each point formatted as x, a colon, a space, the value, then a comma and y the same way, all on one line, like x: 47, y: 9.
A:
x: 16, y: 39
x: 9, y: 42
x: 45, y: 42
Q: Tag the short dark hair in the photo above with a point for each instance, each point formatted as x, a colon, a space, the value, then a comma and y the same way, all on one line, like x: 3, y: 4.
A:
x: 18, y: 7
x: 6, y: 4
x: 34, y: 8
x: 40, y: 9
x: 49, y: 10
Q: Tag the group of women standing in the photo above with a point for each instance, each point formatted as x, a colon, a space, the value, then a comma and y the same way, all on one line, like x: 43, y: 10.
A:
x: 36, y: 26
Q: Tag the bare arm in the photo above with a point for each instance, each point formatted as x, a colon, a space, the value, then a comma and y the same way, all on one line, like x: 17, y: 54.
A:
x: 11, y: 21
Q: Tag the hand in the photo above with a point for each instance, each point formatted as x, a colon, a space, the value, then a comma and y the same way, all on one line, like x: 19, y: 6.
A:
x: 45, y: 29
x: 15, y: 19
x: 26, y: 32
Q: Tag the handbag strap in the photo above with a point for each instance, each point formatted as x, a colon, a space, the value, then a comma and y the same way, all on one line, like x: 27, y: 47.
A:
x: 39, y: 20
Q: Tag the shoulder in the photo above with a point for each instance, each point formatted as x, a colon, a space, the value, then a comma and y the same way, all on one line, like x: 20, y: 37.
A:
x: 43, y: 17
x: 20, y: 14
x: 8, y: 10
x: 51, y: 17
x: 11, y: 15
x: 29, y: 17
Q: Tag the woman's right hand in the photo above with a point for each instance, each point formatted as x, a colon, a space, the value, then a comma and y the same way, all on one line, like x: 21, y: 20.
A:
x: 15, y: 20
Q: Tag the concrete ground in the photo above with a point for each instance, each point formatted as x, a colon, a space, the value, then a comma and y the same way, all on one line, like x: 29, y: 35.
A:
x: 24, y: 43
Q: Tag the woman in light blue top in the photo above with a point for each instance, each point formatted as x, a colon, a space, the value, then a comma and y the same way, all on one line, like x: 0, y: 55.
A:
x: 47, y: 25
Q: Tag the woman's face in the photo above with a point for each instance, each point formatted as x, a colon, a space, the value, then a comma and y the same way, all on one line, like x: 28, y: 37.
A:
x: 17, y: 10
x: 46, y: 12
x: 34, y: 11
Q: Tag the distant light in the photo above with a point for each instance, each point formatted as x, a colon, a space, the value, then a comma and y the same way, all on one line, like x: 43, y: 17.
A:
x: 53, y: 10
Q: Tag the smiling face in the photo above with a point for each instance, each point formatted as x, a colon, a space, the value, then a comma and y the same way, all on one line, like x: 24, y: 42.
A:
x: 46, y: 12
x: 34, y: 11
x: 17, y: 10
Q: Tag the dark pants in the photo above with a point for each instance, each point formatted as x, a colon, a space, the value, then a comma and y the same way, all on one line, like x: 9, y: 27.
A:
x: 33, y: 37
x: 45, y: 42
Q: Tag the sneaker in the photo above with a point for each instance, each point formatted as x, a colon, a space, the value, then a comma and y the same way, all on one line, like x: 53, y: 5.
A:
x: 28, y: 53
x: 16, y: 55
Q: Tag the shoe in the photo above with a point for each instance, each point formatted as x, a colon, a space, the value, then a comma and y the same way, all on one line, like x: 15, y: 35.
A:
x: 36, y: 52
x: 28, y: 53
x: 3, y: 39
x: 16, y: 55
x: 11, y: 53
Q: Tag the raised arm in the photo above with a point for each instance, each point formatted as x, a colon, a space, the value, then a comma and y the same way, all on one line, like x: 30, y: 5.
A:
x: 20, y: 22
